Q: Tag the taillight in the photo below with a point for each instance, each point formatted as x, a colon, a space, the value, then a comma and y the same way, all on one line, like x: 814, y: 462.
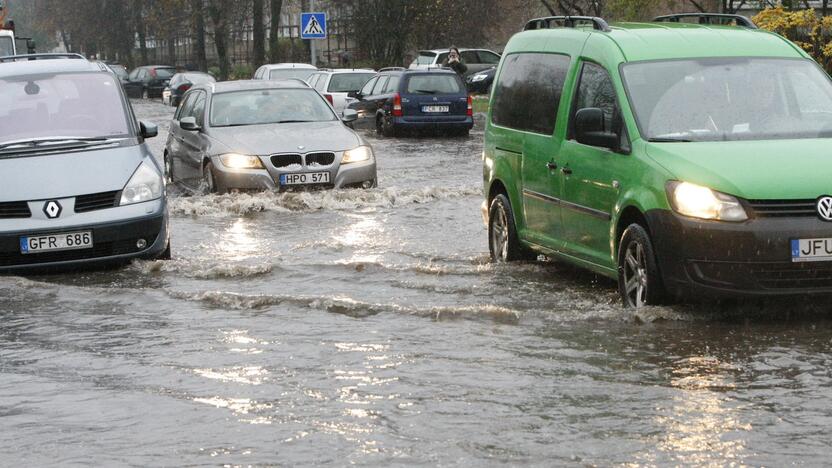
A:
x: 470, y: 106
x: 184, y: 87
x: 397, y: 105
x: 328, y: 97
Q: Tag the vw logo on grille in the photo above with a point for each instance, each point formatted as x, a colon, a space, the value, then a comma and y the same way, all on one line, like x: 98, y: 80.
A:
x: 52, y: 209
x: 825, y: 208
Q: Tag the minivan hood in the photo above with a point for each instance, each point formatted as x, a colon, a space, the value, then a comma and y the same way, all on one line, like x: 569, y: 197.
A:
x: 755, y: 170
x: 286, y: 138
x: 66, y: 175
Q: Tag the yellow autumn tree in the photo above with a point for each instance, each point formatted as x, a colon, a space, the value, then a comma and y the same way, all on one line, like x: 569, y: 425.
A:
x: 803, y: 27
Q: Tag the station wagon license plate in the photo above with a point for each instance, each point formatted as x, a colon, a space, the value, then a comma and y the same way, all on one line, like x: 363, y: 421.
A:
x: 53, y: 242
x: 812, y: 250
x: 435, y: 109
x: 304, y: 178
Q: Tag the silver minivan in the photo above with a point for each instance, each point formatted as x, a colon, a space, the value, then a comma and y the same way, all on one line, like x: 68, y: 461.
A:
x: 78, y: 184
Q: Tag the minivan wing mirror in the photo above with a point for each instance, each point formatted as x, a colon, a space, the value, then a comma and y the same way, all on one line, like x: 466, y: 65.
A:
x: 589, y: 129
x: 189, y: 124
x: 149, y: 130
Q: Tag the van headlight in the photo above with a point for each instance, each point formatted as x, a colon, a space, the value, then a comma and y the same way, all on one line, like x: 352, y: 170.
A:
x: 362, y: 153
x: 701, y: 202
x: 146, y: 184
x: 240, y: 161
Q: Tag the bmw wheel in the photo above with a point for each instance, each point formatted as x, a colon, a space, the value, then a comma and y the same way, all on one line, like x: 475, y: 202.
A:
x: 639, y: 280
x: 209, y: 182
x: 503, y: 242
x: 168, y: 169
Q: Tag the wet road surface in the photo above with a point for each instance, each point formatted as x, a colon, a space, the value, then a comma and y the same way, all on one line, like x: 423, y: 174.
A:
x: 368, y: 327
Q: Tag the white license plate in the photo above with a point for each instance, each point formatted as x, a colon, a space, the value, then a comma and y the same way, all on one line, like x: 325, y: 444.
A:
x: 436, y: 108
x: 53, y: 242
x: 304, y: 178
x: 812, y: 250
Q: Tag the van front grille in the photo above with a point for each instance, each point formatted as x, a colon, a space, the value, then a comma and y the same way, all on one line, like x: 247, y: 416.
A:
x: 96, y: 201
x: 18, y: 209
x: 286, y: 160
x: 320, y: 159
x: 783, y: 208
x: 793, y: 275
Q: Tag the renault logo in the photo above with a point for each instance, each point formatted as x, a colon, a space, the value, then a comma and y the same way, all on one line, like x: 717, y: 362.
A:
x: 825, y: 208
x: 52, y: 209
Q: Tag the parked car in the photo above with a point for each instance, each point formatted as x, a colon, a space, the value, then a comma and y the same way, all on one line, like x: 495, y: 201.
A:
x: 182, y: 82
x: 119, y: 70
x: 396, y: 101
x: 149, y: 81
x: 340, y: 86
x: 481, y: 82
x: 264, y: 135
x: 683, y: 160
x: 282, y: 71
x: 476, y: 60
x: 78, y: 184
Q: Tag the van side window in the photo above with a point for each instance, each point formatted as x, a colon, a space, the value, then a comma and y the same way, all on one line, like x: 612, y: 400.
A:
x: 528, y: 92
x: 368, y: 88
x: 392, y: 85
x: 380, y: 85
x: 595, y: 89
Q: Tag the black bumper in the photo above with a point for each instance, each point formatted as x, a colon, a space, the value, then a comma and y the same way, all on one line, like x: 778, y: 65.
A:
x: 701, y: 259
x: 113, y: 244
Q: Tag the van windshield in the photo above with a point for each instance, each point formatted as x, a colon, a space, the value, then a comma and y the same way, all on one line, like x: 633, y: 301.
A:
x: 86, y: 105
x: 730, y: 99
x: 6, y: 44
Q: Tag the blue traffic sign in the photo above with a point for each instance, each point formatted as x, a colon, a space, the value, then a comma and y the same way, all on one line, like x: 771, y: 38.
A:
x: 313, y: 25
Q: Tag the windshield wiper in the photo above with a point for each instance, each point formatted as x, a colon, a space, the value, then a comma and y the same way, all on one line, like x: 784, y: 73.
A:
x: 668, y: 140
x: 293, y: 121
x: 425, y: 91
x: 50, y: 141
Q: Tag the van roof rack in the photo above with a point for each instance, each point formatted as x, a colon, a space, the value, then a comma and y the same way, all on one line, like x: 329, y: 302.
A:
x: 550, y: 22
x: 385, y: 69
x: 14, y: 58
x: 708, y: 18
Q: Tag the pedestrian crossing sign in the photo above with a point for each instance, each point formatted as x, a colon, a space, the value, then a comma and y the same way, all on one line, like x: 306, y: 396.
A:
x: 313, y: 25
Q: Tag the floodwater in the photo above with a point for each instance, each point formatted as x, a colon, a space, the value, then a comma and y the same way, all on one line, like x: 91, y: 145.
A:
x: 368, y: 327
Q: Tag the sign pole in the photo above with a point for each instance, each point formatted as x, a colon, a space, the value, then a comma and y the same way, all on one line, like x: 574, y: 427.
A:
x: 312, y: 45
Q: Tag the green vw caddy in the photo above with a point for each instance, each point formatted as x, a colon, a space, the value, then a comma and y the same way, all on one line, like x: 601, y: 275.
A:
x: 684, y: 159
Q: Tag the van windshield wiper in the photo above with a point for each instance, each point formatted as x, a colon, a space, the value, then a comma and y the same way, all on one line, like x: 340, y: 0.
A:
x: 668, y: 140
x: 425, y: 91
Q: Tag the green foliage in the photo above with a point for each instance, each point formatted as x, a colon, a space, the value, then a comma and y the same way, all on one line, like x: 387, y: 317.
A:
x: 241, y: 72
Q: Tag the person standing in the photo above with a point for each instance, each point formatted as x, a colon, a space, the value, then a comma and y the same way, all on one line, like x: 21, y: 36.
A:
x: 454, y: 62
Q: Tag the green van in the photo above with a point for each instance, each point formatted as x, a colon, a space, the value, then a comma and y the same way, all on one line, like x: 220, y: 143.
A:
x: 685, y: 160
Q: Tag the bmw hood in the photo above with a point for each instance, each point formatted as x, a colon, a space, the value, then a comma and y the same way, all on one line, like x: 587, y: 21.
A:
x: 66, y: 175
x: 300, y: 137
x: 755, y: 170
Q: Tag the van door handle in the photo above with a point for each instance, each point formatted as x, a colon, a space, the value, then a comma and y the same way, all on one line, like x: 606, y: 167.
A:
x: 552, y: 165
x: 566, y: 171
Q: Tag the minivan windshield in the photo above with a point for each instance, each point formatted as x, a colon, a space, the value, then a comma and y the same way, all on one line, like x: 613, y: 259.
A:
x: 268, y: 106
x: 83, y: 105
x: 730, y: 99
x: 6, y: 48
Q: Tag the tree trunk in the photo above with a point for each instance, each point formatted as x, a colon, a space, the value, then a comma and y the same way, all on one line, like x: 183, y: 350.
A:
x: 216, y: 11
x: 138, y: 11
x: 259, y: 34
x: 274, y: 30
x: 198, y: 14
x: 172, y: 49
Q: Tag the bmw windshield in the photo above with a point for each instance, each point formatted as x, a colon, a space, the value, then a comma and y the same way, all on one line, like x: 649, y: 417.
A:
x: 729, y: 99
x: 269, y: 106
x: 76, y: 105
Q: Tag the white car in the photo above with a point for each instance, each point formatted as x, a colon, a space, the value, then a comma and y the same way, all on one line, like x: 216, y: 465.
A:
x: 282, y: 71
x: 476, y: 60
x: 337, y: 85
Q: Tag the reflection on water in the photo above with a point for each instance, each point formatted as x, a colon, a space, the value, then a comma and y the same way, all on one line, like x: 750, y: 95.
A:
x: 238, y: 242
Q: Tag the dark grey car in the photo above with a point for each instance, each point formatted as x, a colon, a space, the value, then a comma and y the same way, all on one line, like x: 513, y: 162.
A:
x: 78, y: 185
x: 264, y: 135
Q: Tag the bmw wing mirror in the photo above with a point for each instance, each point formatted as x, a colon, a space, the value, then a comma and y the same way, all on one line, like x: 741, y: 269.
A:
x: 189, y: 124
x: 349, y: 115
x: 149, y: 130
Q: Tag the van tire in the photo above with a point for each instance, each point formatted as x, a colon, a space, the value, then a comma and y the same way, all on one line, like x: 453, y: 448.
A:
x: 639, y: 280
x: 503, y: 243
x: 386, y: 127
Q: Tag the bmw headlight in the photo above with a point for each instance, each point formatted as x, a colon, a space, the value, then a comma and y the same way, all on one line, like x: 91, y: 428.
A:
x: 478, y: 78
x: 146, y: 184
x: 240, y: 161
x: 701, y: 202
x: 362, y: 153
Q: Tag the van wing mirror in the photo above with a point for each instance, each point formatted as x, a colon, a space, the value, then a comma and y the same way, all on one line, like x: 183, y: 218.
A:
x: 589, y: 129
x: 149, y: 130
x: 189, y: 124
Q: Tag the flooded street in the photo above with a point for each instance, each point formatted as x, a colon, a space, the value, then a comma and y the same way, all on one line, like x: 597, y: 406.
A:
x: 368, y: 327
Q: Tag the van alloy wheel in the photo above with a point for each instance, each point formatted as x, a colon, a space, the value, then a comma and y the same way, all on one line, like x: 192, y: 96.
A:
x: 499, y: 236
x: 503, y: 242
x: 639, y: 281
x: 635, y: 275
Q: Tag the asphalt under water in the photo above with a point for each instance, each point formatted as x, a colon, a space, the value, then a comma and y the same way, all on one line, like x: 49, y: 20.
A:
x: 369, y: 327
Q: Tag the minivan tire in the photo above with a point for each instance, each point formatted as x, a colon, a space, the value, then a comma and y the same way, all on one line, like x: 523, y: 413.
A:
x: 639, y: 280
x: 503, y: 242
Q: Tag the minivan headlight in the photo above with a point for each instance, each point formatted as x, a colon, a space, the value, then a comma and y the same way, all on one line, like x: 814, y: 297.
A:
x: 240, y: 161
x: 362, y: 153
x: 146, y: 184
x: 701, y: 202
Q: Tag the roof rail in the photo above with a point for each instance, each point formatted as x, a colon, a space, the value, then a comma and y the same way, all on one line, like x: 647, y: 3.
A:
x: 550, y: 22
x: 14, y: 58
x: 709, y: 18
x: 385, y: 69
